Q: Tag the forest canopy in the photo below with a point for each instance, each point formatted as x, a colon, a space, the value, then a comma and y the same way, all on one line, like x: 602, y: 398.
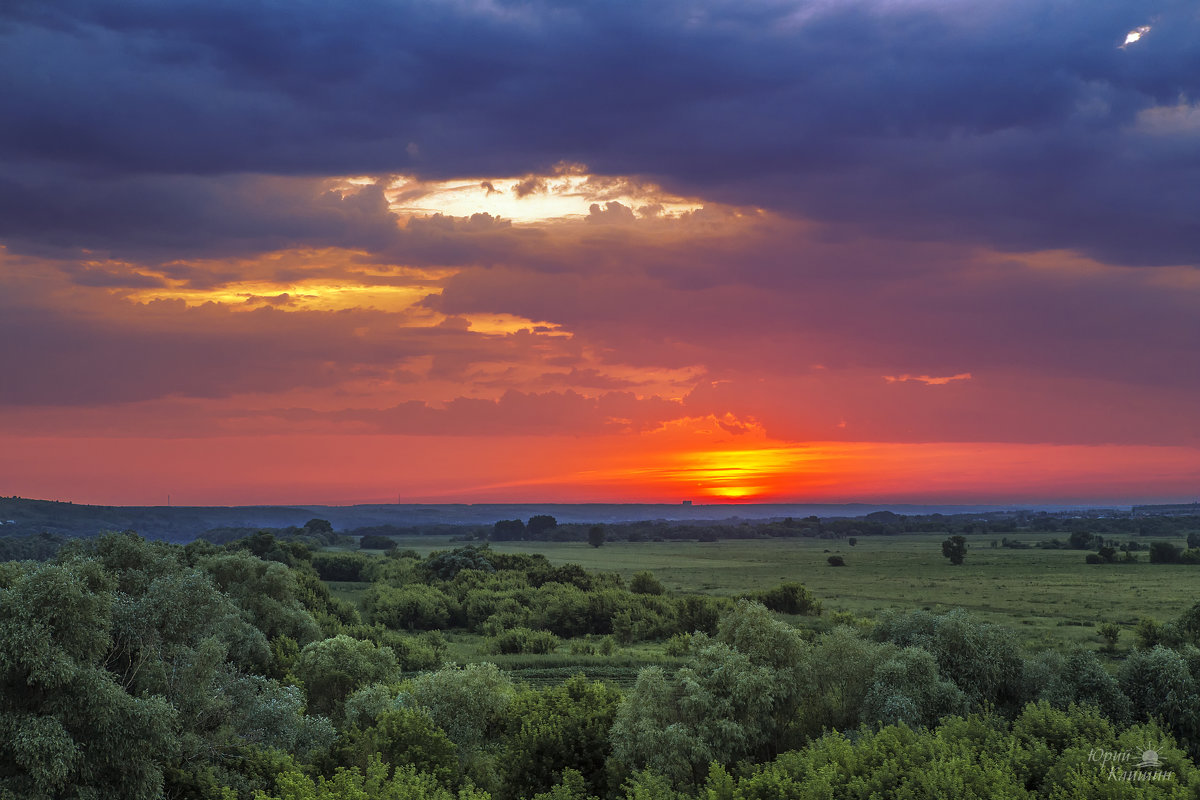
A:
x: 139, y: 669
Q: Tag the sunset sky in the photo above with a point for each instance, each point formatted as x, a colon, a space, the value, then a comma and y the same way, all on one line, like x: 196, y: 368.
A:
x: 485, y: 251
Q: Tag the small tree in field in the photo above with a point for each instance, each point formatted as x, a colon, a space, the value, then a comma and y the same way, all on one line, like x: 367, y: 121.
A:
x: 1164, y: 553
x: 1110, y: 631
x: 836, y: 561
x: 955, y: 549
x: 595, y: 536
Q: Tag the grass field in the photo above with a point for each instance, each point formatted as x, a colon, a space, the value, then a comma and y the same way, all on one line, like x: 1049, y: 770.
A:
x: 1050, y: 598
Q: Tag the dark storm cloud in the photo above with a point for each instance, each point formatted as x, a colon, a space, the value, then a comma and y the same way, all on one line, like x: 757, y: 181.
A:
x: 51, y: 210
x: 1012, y: 124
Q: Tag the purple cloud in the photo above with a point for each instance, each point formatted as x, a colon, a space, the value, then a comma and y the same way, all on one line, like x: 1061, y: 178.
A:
x: 1012, y: 125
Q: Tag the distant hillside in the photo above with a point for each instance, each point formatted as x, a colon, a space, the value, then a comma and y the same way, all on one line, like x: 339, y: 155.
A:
x: 181, y: 523
x: 20, y: 516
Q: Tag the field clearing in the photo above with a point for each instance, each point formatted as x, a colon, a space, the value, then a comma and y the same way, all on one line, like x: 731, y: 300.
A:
x: 1049, y: 598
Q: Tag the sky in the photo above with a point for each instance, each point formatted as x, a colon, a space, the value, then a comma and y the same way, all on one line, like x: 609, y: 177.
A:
x: 931, y: 251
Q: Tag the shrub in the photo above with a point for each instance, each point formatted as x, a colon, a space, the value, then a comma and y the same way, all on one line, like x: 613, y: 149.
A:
x: 522, y: 640
x: 339, y: 566
x: 679, y: 645
x: 697, y: 614
x: 405, y: 737
x: 1148, y: 632
x: 1164, y: 553
x: 445, y: 565
x: 791, y: 598
x: 333, y: 668
x: 371, y: 542
x: 1110, y: 631
x: 415, y: 606
x: 645, y: 583
x: 412, y: 653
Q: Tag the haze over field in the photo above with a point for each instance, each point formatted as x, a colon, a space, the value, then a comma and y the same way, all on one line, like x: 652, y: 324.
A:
x: 925, y: 251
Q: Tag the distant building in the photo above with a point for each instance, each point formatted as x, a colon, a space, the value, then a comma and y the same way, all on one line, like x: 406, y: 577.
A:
x: 1172, y: 510
x: 687, y: 502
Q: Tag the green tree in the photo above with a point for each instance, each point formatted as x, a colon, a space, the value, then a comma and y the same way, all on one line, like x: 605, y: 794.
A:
x: 738, y: 697
x: 1188, y: 623
x: 596, y: 536
x: 791, y: 598
x: 318, y: 526
x: 469, y: 703
x: 447, y: 564
x: 540, y: 524
x: 264, y: 713
x: 1110, y: 632
x: 508, y: 530
x: 416, y: 606
x: 333, y: 668
x: 268, y: 591
x: 341, y: 566
x: 983, y: 660
x: 570, y: 787
x: 839, y: 672
x: 67, y: 727
x: 1079, y: 679
x: 695, y: 613
x: 1160, y: 685
x: 376, y: 782
x: 1164, y: 553
x: 561, y: 727
x: 402, y: 737
x: 644, y: 582
x: 1148, y: 632
x: 1080, y: 540
x: 908, y: 690
x: 955, y: 549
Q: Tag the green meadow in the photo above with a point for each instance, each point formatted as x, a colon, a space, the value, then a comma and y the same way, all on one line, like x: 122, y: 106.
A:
x: 1049, y: 598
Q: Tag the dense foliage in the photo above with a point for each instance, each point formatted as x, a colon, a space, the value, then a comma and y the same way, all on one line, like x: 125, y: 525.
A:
x: 135, y: 669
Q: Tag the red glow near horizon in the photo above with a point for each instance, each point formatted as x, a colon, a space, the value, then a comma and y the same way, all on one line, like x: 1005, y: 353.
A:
x: 298, y: 470
x: 619, y: 356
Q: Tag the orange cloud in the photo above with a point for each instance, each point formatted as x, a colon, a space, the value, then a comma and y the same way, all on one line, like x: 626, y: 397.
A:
x: 928, y: 380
